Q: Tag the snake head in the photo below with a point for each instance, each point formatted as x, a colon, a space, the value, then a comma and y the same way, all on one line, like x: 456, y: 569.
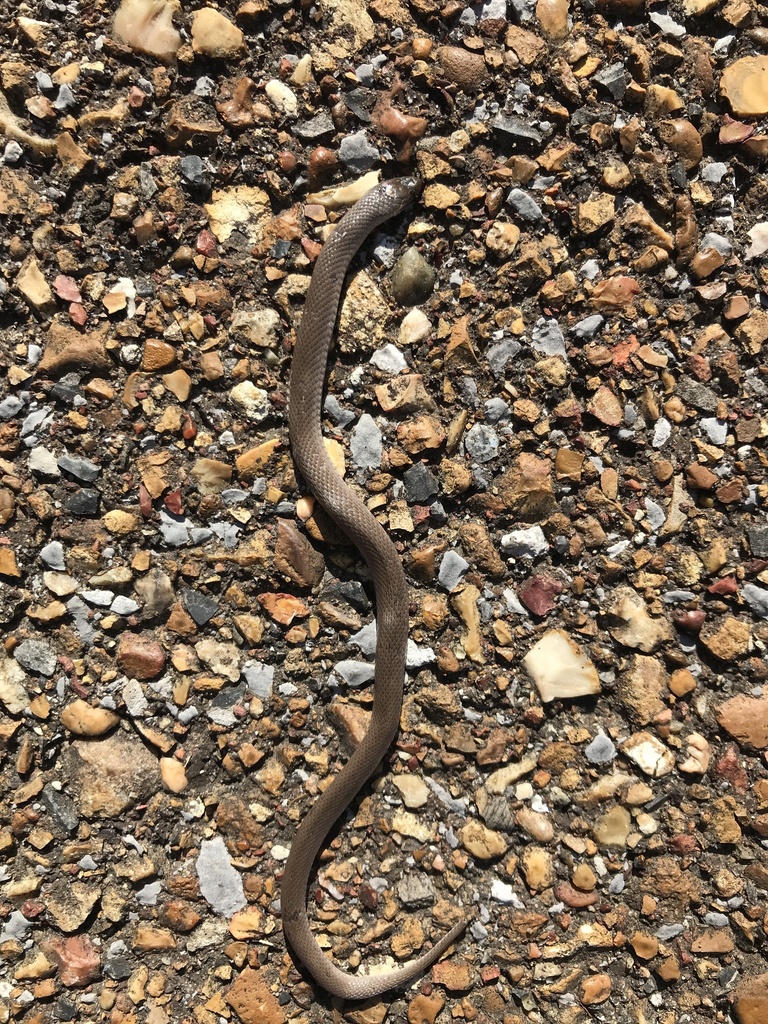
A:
x: 401, y: 192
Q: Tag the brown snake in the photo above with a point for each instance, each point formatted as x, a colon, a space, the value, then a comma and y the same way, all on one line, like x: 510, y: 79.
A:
x: 313, y: 341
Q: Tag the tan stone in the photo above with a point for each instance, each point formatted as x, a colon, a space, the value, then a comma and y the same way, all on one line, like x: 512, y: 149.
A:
x: 729, y: 641
x: 83, y: 719
x: 745, y: 85
x: 214, y: 35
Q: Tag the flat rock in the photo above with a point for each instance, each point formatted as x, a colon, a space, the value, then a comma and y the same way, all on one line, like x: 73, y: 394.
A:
x: 746, y: 719
x: 108, y: 776
x: 560, y: 668
x: 745, y: 85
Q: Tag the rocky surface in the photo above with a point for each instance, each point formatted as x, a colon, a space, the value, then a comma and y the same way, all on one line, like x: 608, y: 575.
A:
x: 549, y: 386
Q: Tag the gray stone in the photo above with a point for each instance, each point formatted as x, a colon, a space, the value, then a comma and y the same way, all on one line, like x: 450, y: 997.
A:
x: 420, y: 485
x: 613, y: 79
x: 221, y: 885
x: 357, y: 152
x: 317, y: 127
x: 756, y: 598
x: 416, y: 891
x: 588, y: 327
x: 715, y: 429
x: 452, y: 568
x: 601, y: 750
x: 482, y: 443
x: 36, y: 656
x: 259, y: 678
x: 366, y: 444
x: 697, y: 394
x: 80, y: 469
x: 412, y: 280
x: 547, y: 338
x: 525, y: 543
x: 61, y: 807
x: 501, y: 353
x: 43, y: 463
x: 758, y: 541
x: 355, y: 673
x: 517, y: 128
x: 525, y: 206
x: 497, y: 411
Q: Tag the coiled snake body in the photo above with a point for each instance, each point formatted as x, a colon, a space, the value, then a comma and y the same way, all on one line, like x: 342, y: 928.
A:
x: 313, y: 341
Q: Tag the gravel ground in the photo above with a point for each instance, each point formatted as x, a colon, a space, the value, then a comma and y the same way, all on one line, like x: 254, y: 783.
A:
x: 549, y: 385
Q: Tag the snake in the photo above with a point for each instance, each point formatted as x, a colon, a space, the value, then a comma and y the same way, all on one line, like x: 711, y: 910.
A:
x: 307, y: 376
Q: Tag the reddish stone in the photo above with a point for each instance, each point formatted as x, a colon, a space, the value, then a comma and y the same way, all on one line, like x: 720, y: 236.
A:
x: 66, y: 288
x: 140, y: 656
x: 145, y: 501
x: 699, y: 367
x: 78, y: 314
x: 206, y: 243
x: 729, y: 767
x: 77, y: 958
x: 684, y: 844
x: 725, y: 586
x: 731, y: 492
x: 173, y: 502
x: 689, y: 621
x: 539, y: 593
x: 368, y: 896
x: 572, y: 897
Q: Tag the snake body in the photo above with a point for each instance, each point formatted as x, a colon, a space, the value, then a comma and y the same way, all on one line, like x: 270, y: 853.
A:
x: 313, y: 341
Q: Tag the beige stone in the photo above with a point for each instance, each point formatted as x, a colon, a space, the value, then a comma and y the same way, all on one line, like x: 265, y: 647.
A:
x: 745, y: 85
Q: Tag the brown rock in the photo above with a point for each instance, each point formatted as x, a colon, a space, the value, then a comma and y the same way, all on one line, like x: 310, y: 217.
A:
x: 295, y: 556
x: 713, y: 941
x: 108, y: 776
x: 464, y: 69
x: 669, y: 970
x: 149, y: 938
x: 700, y: 477
x: 729, y: 641
x: 140, y: 656
x: 645, y: 946
x: 595, y: 213
x: 157, y: 355
x: 526, y: 46
x: 615, y: 293
x: 214, y: 35
x: 553, y: 18
x: 482, y: 842
x: 84, y: 720
x: 661, y: 100
x: 721, y: 821
x: 750, y: 1000
x: 456, y: 977
x: 595, y: 989
x: 745, y: 85
x: 684, y: 140
x: 706, y: 262
x: 66, y: 348
x: 424, y: 1009
x: 641, y: 688
x: 746, y: 719
x: 537, y: 868
x: 526, y: 489
x: 682, y: 682
x: 479, y: 548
